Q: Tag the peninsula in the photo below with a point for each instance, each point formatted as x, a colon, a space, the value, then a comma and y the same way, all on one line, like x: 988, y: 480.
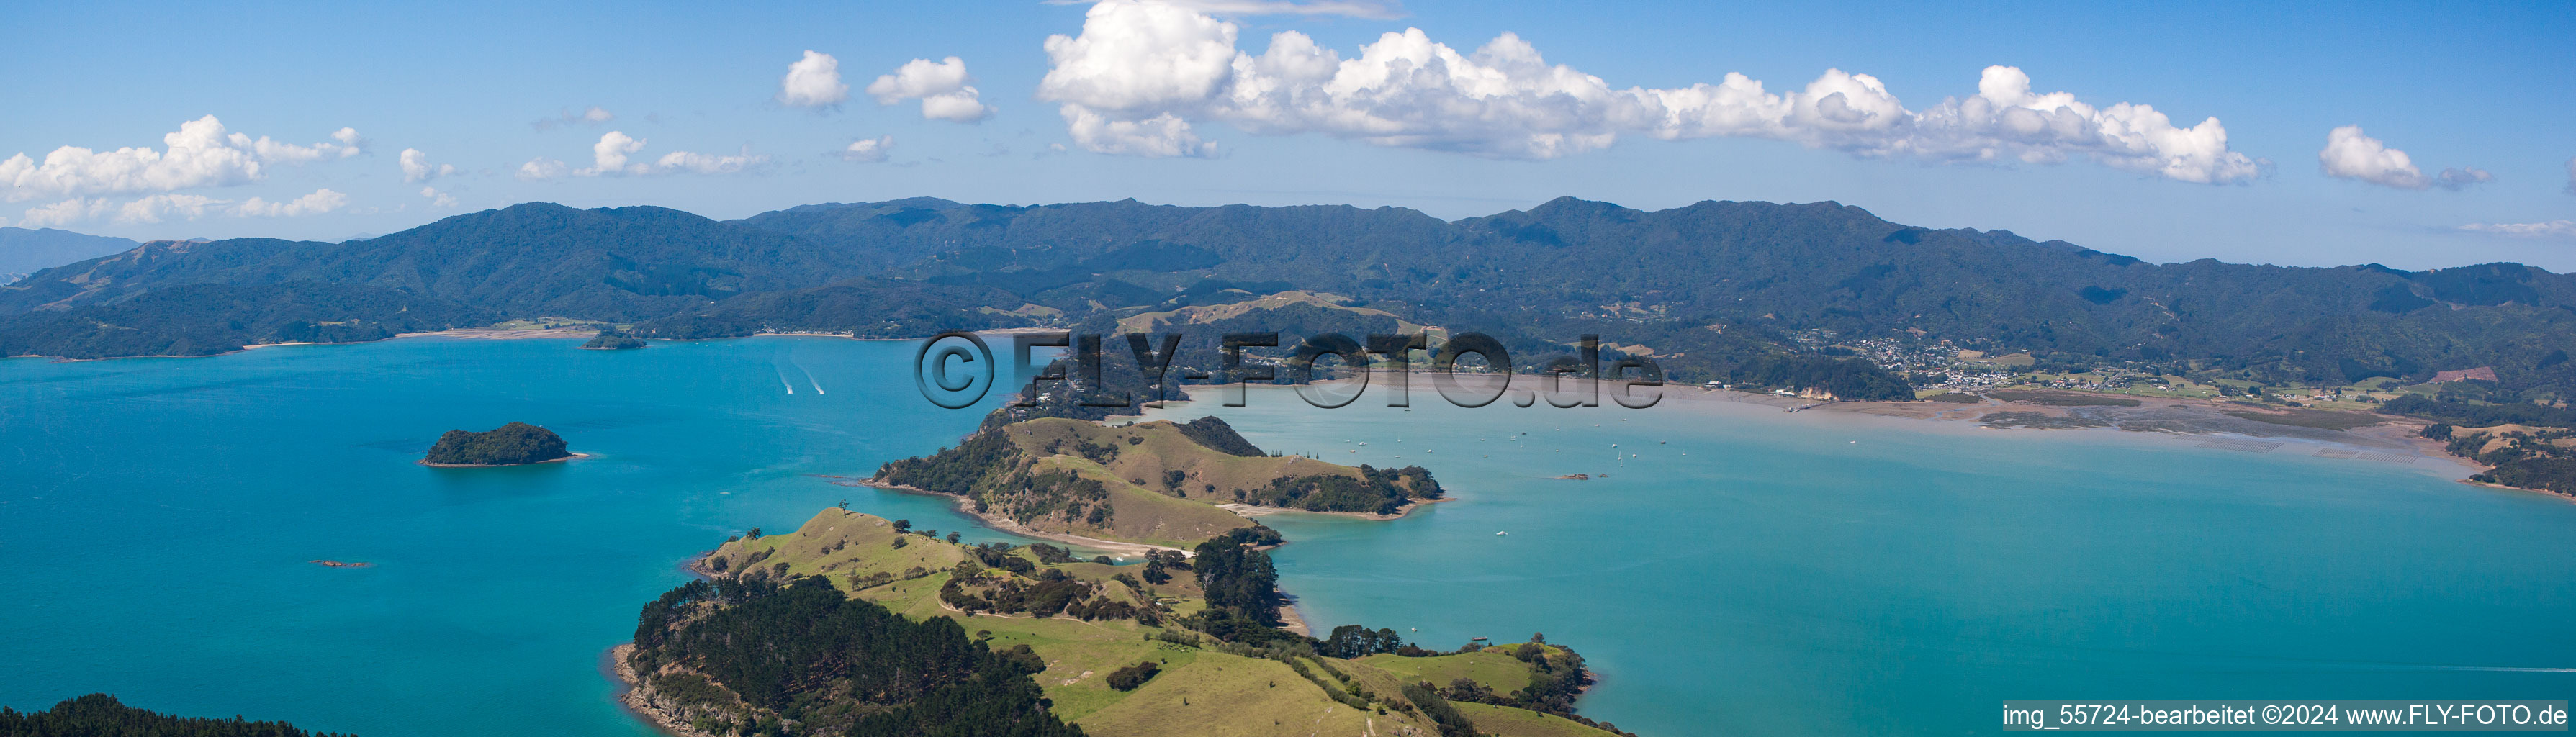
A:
x: 1198, y: 639
x: 855, y: 624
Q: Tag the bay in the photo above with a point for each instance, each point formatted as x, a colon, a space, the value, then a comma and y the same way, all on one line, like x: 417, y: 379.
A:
x: 1741, y: 570
x: 160, y: 514
x: 1737, y: 571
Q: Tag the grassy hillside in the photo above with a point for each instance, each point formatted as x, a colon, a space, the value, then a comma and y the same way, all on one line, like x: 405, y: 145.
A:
x: 1504, y: 721
x: 1202, y: 686
x: 1492, y: 667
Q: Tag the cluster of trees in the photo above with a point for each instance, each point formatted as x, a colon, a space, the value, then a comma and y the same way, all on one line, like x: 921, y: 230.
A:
x: 2528, y: 459
x: 1130, y: 677
x: 1428, y: 700
x: 1213, y: 433
x: 1042, y: 592
x: 1848, y: 379
x: 989, y: 469
x: 511, y: 444
x: 1050, y: 554
x: 953, y: 470
x: 1239, y: 579
x: 1557, y: 676
x: 611, y: 340
x: 1380, y: 491
x: 102, y: 714
x: 752, y: 656
x: 1052, y: 592
x: 1160, y: 563
x: 2481, y: 414
x: 1355, y: 641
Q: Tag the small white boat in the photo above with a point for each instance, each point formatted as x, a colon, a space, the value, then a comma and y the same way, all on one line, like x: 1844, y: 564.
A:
x: 1500, y: 533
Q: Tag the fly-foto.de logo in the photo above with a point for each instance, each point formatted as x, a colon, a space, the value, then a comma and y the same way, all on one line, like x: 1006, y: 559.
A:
x: 957, y: 369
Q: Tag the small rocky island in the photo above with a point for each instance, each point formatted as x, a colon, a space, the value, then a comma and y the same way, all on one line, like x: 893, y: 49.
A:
x: 611, y: 340
x: 514, y: 444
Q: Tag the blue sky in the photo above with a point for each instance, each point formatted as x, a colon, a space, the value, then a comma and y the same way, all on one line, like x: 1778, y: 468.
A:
x: 2484, y: 91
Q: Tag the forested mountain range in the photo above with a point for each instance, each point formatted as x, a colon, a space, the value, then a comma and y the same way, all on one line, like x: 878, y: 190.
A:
x: 1705, y: 287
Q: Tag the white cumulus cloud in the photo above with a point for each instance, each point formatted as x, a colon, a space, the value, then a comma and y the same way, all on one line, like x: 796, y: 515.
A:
x: 416, y: 167
x: 200, y: 154
x: 1141, y: 73
x: 320, y: 201
x: 698, y: 163
x: 940, y: 86
x: 813, y: 82
x: 2351, y: 154
x: 438, y: 198
x: 869, y: 150
x: 2560, y: 229
x: 63, y: 213
x: 542, y: 168
x: 152, y: 209
x: 610, y: 157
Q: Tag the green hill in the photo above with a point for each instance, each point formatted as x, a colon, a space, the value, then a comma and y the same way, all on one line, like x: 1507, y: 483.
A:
x: 1116, y: 618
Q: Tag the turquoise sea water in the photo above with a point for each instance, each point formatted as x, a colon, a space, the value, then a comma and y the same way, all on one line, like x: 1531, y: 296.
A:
x: 158, y: 516
x: 1751, y: 571
x: 1779, y: 579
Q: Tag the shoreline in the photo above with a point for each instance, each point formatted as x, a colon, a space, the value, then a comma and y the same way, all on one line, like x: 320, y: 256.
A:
x: 574, y: 457
x: 634, y: 699
x: 2392, y: 438
x: 1249, y: 511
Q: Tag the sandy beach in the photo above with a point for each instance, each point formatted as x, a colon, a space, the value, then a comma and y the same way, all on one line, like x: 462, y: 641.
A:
x: 1248, y: 511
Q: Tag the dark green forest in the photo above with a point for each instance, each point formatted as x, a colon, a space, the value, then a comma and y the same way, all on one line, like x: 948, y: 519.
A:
x: 1715, y: 289
x: 507, y: 445
x: 101, y: 715
x: 611, y: 340
x: 752, y: 656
